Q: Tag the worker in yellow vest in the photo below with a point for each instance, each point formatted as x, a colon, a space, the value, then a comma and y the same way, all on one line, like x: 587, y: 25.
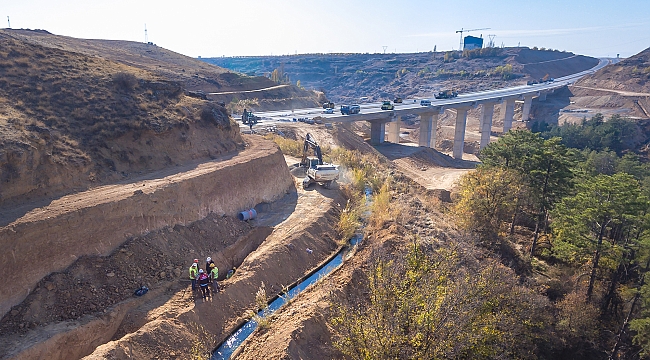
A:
x: 194, y: 273
x: 214, y: 274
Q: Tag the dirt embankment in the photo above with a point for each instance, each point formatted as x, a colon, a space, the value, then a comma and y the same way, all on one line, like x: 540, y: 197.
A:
x: 95, y: 222
x: 70, y: 121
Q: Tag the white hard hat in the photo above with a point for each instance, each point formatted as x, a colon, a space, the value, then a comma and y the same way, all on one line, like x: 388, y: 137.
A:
x: 208, y: 259
x: 200, y: 271
x: 194, y: 264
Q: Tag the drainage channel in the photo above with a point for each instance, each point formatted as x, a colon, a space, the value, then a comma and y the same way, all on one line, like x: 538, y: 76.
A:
x: 227, y: 349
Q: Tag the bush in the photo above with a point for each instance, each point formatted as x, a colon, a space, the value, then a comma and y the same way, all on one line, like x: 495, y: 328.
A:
x: 125, y: 81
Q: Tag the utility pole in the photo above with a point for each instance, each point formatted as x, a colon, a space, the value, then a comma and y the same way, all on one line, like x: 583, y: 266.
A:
x: 385, y: 47
x: 8, y: 23
x: 146, y: 37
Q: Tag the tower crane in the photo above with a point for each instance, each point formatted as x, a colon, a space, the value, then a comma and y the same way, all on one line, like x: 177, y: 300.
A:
x: 460, y: 47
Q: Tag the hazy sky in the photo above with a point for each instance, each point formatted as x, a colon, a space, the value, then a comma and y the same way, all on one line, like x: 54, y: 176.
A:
x: 211, y: 28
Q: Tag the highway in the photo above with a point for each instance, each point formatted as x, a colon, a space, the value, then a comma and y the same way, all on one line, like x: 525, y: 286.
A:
x: 412, y: 106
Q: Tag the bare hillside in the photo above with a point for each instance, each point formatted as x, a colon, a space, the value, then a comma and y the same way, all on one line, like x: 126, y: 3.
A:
x: 348, y: 77
x: 69, y: 120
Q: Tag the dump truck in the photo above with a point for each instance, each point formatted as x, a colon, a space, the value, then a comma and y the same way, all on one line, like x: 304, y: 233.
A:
x: 350, y: 109
x: 386, y: 105
x: 446, y: 94
x: 317, y: 171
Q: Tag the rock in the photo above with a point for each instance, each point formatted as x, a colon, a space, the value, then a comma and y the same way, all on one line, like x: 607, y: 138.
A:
x: 177, y: 272
x: 110, y: 274
x: 50, y: 286
x: 162, y: 274
x: 14, y: 312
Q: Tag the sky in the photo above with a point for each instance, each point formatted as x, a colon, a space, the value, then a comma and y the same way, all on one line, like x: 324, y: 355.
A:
x: 214, y: 28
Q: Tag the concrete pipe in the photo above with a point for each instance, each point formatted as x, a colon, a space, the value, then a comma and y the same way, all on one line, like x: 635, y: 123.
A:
x: 247, y: 215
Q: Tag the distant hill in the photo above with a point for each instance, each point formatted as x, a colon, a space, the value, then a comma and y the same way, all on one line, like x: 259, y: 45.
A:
x: 631, y: 74
x: 80, y: 113
x: 348, y: 77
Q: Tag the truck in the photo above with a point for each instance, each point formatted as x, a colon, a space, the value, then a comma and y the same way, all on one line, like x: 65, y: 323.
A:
x: 446, y: 94
x: 317, y: 171
x: 248, y: 118
x: 350, y: 109
x: 425, y: 102
x: 386, y: 105
x: 398, y: 100
x: 328, y: 105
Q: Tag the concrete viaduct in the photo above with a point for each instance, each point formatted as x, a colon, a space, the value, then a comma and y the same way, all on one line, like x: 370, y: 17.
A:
x: 506, y: 98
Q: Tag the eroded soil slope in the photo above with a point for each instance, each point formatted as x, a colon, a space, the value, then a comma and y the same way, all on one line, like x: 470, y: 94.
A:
x: 69, y: 121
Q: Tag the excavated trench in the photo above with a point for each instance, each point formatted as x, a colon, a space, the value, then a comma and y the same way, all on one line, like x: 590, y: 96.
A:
x: 85, y: 305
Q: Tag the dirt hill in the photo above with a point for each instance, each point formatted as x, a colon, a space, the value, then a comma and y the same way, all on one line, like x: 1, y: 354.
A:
x: 349, y: 77
x: 631, y: 75
x: 69, y: 120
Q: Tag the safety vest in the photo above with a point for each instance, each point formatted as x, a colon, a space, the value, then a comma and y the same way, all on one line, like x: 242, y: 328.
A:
x: 215, y: 273
x: 193, y: 271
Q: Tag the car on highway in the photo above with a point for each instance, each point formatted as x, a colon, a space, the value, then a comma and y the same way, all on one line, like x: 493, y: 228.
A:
x: 425, y: 102
x: 328, y: 111
x: 386, y: 105
x: 398, y: 100
x: 350, y: 109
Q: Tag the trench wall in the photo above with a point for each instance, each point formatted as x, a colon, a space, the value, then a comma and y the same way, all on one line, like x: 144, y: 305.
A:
x: 95, y: 222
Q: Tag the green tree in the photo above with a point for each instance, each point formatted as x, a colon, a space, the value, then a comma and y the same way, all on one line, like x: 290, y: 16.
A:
x: 583, y: 221
x: 543, y: 165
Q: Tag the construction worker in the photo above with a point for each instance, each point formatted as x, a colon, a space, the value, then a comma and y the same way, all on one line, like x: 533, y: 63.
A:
x: 208, y: 261
x: 214, y: 274
x: 204, y: 280
x: 194, y: 273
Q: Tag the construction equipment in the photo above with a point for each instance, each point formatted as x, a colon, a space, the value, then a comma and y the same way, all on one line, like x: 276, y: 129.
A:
x: 386, y: 105
x: 446, y: 94
x: 248, y: 118
x: 317, y: 171
x: 328, y: 105
x: 350, y: 109
x: 460, y: 47
x: 398, y: 100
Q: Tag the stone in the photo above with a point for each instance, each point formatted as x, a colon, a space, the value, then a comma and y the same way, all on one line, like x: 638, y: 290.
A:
x: 110, y: 274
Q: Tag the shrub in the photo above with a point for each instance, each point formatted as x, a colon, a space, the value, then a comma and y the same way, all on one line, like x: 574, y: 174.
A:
x: 125, y: 81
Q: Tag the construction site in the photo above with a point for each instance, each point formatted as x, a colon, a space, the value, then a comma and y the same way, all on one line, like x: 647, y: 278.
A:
x: 128, y: 171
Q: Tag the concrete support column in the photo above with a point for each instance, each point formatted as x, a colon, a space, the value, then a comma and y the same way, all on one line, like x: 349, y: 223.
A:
x: 434, y: 129
x: 487, y: 112
x: 425, y: 130
x: 542, y: 96
x: 377, y: 132
x: 393, y: 130
x: 508, y: 111
x: 528, y: 101
x: 459, y: 135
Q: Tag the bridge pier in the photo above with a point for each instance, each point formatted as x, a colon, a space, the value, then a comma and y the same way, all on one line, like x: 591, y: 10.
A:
x: 393, y: 130
x: 377, y: 132
x: 459, y: 135
x: 528, y: 102
x: 428, y: 127
x: 508, y: 111
x: 542, y: 96
x: 487, y: 112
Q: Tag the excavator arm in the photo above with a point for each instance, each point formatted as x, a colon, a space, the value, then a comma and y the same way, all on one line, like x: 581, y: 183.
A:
x: 310, y: 143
